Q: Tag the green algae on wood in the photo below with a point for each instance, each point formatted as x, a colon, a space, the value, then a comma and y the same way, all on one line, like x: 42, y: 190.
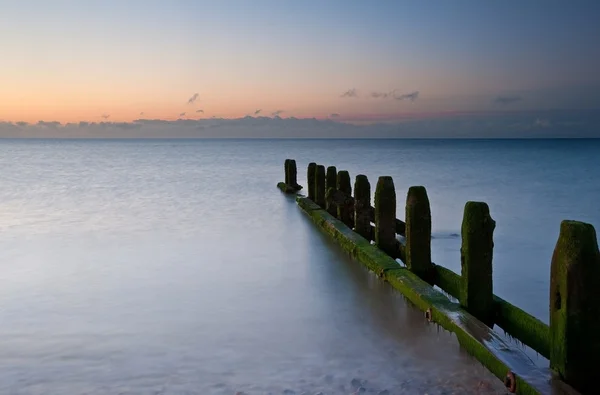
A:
x: 310, y: 180
x: 362, y: 204
x: 448, y: 281
x: 516, y: 322
x: 575, y: 306
x: 330, y: 182
x: 476, y: 254
x: 345, y: 212
x: 385, y: 215
x: 320, y: 185
x: 478, y: 339
x: 522, y: 326
x: 418, y: 233
x: 286, y: 188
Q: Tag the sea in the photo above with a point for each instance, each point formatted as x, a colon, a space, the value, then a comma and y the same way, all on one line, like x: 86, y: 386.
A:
x: 178, y: 267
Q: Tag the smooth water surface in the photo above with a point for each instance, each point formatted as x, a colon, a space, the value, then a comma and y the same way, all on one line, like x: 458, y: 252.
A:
x: 177, y: 267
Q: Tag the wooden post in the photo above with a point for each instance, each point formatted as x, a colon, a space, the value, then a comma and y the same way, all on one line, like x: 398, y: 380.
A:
x: 345, y: 212
x: 292, y: 174
x: 418, y: 233
x: 286, y: 168
x: 476, y: 254
x: 385, y: 215
x: 331, y: 182
x: 575, y: 306
x: 320, y: 185
x: 362, y: 205
x: 310, y: 180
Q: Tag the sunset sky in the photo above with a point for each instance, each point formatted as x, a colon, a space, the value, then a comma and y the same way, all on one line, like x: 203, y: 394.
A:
x: 118, y: 61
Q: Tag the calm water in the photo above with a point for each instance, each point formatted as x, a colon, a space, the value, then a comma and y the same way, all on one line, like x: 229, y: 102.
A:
x: 177, y: 267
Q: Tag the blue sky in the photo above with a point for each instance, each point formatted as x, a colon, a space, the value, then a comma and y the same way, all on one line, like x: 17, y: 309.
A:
x: 72, y: 61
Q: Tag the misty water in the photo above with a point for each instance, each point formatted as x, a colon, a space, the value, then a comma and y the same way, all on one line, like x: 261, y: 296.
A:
x: 177, y: 267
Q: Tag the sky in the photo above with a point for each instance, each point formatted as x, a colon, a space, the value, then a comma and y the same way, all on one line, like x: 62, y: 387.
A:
x: 363, y: 63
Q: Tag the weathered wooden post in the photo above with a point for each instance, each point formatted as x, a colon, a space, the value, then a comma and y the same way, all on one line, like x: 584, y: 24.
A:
x: 320, y: 185
x: 575, y: 306
x: 331, y: 182
x: 476, y: 254
x: 286, y: 172
x: 418, y: 233
x: 291, y: 177
x: 362, y: 204
x: 310, y: 180
x: 345, y: 211
x: 385, y: 215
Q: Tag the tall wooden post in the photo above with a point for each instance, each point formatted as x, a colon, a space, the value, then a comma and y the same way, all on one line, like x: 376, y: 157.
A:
x: 331, y: 182
x: 292, y: 174
x: 385, y: 215
x: 320, y: 185
x: 575, y: 306
x: 310, y: 180
x: 344, y: 212
x: 286, y: 171
x: 418, y: 233
x: 476, y: 255
x: 362, y: 205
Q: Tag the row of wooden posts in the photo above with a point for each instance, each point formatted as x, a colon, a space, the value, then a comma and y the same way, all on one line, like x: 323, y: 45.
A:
x: 572, y: 340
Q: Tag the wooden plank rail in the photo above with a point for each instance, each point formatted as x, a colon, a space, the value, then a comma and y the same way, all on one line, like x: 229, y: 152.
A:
x: 570, y: 342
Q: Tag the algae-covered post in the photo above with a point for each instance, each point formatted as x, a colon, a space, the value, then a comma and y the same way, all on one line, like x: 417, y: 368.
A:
x: 385, y: 215
x: 331, y: 182
x: 310, y: 180
x: 418, y: 234
x: 575, y: 306
x: 345, y: 211
x: 476, y: 254
x: 320, y: 185
x: 362, y: 206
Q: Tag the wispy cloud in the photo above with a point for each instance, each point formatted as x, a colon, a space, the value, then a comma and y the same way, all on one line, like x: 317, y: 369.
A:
x: 193, y: 98
x: 408, y: 96
x: 350, y: 93
x: 276, y: 113
x: 105, y: 116
x: 334, y: 115
x: 142, y: 113
x: 257, y: 111
x: 202, y: 111
x: 381, y: 95
x: 182, y: 114
x: 505, y: 100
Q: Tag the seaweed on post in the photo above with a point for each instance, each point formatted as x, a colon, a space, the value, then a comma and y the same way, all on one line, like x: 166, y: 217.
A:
x: 476, y: 253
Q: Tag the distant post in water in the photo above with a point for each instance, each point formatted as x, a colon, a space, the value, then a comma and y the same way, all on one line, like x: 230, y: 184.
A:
x: 331, y: 182
x: 362, y: 204
x: 310, y: 180
x: 476, y: 253
x: 292, y: 174
x: 345, y: 211
x: 385, y: 215
x: 320, y: 185
x: 286, y: 171
x: 418, y: 233
x: 575, y: 306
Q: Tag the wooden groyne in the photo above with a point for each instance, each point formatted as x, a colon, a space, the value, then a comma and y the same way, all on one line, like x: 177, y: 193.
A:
x: 572, y: 340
